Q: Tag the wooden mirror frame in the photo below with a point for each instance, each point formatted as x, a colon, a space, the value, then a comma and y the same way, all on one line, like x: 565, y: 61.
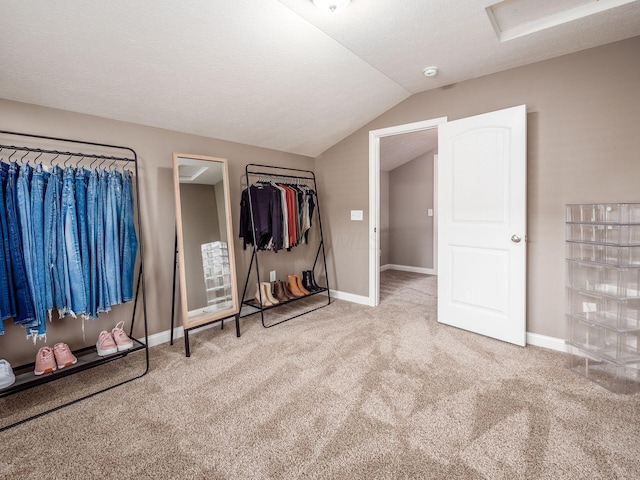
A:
x: 205, y: 317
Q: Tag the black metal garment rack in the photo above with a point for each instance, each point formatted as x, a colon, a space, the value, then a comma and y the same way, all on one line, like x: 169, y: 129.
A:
x: 282, y: 175
x: 87, y: 357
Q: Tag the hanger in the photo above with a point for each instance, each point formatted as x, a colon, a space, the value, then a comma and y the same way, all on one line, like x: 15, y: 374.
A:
x: 22, y: 157
x: 35, y: 160
x: 52, y: 160
x: 65, y: 162
x: 78, y: 162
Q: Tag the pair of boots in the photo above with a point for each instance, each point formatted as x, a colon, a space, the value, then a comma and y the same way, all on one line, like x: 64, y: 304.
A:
x: 264, y: 290
x: 296, y: 287
x: 309, y: 282
x: 276, y: 292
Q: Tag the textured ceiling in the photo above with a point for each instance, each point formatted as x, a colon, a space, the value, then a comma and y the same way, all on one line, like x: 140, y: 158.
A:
x: 396, y: 150
x: 272, y: 73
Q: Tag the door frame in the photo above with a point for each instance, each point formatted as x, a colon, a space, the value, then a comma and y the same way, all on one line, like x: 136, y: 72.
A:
x: 374, y: 197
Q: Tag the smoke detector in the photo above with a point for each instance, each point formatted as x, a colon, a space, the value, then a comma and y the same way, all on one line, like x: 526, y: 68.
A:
x: 430, y: 71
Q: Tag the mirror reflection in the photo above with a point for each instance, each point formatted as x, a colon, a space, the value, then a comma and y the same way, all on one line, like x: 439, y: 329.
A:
x: 206, y: 253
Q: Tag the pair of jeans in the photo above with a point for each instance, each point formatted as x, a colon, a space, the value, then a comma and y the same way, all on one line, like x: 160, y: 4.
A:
x: 128, y: 239
x: 38, y: 289
x: 76, y: 298
x: 25, y: 312
x: 92, y: 233
x: 7, y: 302
x: 112, y: 238
x: 54, y: 254
x: 102, y: 287
x: 83, y: 234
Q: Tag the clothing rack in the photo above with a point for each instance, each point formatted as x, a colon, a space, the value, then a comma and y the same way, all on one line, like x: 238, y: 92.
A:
x: 290, y: 175
x: 87, y: 357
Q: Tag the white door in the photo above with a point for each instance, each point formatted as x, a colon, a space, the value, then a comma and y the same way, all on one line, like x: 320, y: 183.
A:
x: 482, y: 224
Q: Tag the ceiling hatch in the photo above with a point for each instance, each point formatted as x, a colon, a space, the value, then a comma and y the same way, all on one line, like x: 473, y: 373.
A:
x: 516, y: 18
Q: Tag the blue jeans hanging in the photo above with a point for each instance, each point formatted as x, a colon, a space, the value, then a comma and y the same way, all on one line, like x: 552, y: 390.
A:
x: 92, y: 232
x: 54, y: 249
x: 101, y: 207
x: 83, y: 235
x: 25, y: 313
x: 74, y: 280
x: 38, y: 186
x: 112, y: 238
x: 7, y: 303
x: 128, y: 239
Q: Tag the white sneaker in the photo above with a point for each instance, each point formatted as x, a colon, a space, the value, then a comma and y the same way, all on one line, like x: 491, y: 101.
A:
x: 6, y: 374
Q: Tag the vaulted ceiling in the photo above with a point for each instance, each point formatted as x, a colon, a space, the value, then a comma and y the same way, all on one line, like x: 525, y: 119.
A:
x: 277, y: 74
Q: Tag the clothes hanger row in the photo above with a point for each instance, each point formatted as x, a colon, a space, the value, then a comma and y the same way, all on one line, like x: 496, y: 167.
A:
x: 66, y: 163
x: 267, y: 178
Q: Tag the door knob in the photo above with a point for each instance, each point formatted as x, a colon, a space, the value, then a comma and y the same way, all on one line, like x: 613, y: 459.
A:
x: 515, y: 238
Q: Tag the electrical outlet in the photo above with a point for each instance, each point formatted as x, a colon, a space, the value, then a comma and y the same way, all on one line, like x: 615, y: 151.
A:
x: 272, y: 276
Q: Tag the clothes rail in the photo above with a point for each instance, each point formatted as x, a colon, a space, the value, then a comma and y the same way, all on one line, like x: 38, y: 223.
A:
x: 256, y: 172
x: 87, y: 357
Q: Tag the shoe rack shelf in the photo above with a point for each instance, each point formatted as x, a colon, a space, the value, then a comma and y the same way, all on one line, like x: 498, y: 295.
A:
x: 86, y: 357
x: 256, y: 172
x: 252, y: 302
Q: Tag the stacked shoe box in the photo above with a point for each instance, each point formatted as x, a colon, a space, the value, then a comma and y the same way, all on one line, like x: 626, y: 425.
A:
x: 603, y: 294
x: 217, y: 275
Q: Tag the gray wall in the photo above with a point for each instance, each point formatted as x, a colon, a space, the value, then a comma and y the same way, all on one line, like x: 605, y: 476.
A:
x: 410, y: 229
x: 583, y: 141
x: 200, y: 224
x: 385, y: 248
x: 155, y: 182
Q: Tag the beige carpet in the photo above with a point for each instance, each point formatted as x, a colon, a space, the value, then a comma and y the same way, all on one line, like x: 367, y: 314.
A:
x: 346, y: 392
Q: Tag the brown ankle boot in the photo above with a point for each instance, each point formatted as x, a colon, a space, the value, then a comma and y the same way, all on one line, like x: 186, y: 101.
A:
x: 293, y: 286
x: 300, y: 287
x: 278, y: 291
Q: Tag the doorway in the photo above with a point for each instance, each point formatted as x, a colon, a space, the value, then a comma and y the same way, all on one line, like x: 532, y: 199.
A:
x: 376, y: 138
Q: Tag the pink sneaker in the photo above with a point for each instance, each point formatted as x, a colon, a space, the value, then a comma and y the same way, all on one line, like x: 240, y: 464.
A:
x: 45, y: 363
x: 106, y: 345
x: 63, y: 355
x: 122, y: 340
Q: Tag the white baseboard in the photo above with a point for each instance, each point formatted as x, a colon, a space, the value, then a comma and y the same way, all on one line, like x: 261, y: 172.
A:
x: 534, y: 339
x: 551, y: 343
x: 178, y: 332
x: 350, y: 297
x: 406, y: 268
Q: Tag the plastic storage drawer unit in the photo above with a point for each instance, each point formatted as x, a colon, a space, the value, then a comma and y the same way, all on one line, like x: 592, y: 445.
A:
x: 604, y: 213
x: 621, y: 378
x: 609, y: 344
x: 604, y: 234
x: 610, y: 254
x: 606, y: 279
x: 611, y: 312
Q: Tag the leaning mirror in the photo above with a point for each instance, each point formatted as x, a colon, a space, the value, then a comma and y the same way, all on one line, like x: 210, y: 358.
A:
x: 205, y: 242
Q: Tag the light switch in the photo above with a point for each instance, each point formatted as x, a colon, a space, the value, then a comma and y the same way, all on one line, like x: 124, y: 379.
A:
x: 430, y: 212
x: 357, y: 215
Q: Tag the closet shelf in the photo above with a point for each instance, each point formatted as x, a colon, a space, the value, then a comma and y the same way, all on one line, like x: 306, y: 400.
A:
x: 87, y: 358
